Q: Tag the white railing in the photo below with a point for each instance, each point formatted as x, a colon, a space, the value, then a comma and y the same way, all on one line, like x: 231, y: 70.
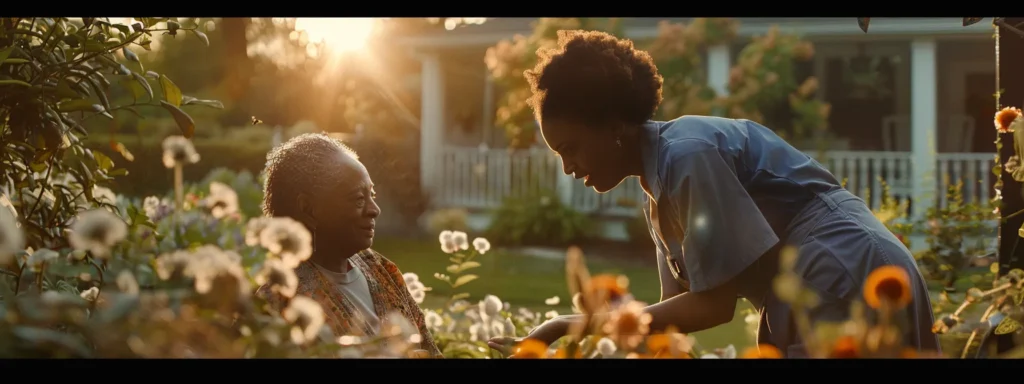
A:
x: 481, y: 179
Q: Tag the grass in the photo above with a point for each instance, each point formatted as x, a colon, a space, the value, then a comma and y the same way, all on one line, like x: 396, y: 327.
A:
x: 526, y: 281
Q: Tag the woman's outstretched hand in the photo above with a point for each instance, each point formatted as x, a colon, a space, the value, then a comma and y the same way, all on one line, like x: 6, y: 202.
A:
x: 546, y: 333
x: 504, y: 345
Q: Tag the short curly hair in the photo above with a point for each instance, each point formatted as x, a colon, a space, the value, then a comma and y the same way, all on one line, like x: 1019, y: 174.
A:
x: 301, y: 164
x: 594, y: 77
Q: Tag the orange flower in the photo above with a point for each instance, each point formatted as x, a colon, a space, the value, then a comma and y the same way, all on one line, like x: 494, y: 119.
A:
x: 1005, y: 117
x: 419, y: 354
x: 889, y: 284
x: 669, y: 345
x: 628, y: 325
x: 845, y: 348
x: 530, y: 349
x: 611, y: 287
x: 909, y: 353
x: 562, y: 353
x: 761, y: 351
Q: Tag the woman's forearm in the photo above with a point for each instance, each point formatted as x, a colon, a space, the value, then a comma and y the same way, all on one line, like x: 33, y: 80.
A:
x: 688, y: 312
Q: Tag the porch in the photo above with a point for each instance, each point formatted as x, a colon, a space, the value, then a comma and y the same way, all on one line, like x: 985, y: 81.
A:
x: 480, y: 179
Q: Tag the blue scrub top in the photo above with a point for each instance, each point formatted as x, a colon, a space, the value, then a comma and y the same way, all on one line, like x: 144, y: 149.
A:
x: 728, y: 188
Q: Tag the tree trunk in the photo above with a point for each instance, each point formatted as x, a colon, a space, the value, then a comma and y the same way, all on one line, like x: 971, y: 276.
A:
x: 236, y: 57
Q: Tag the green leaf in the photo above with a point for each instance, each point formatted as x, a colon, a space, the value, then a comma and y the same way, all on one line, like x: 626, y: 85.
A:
x: 103, y: 161
x: 41, y: 337
x: 171, y: 92
x: 134, y: 87
x: 458, y: 296
x: 463, y: 280
x: 14, y: 82
x: 15, y: 61
x: 129, y: 54
x: 202, y: 36
x: 93, y: 46
x: 76, y: 105
x: 65, y: 91
x: 185, y: 122
x: 462, y: 267
x: 6, y: 52
x: 189, y: 100
x: 144, y: 83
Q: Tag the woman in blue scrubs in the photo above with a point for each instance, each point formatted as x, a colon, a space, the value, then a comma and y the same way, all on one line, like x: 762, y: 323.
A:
x: 723, y: 197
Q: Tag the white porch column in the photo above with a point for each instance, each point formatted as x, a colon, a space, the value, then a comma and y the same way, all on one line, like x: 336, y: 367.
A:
x: 923, y: 123
x: 488, y: 112
x: 432, y: 120
x: 719, y: 64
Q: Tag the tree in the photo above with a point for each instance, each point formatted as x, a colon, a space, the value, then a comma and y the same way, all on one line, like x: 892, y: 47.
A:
x: 761, y: 80
x: 56, y: 73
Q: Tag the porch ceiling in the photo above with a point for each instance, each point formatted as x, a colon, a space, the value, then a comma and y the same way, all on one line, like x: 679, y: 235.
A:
x: 495, y: 30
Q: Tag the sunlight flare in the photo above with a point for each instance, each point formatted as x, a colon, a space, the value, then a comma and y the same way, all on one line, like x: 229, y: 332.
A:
x: 339, y: 35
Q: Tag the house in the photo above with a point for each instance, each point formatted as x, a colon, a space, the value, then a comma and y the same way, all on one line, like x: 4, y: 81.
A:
x: 930, y: 125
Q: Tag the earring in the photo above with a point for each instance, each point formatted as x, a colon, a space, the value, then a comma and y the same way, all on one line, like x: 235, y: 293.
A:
x: 619, y: 142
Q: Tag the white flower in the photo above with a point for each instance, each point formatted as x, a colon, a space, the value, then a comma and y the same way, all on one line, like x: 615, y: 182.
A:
x: 490, y: 305
x: 210, y: 265
x: 418, y: 296
x: 459, y: 306
x: 174, y: 265
x: 447, y: 244
x: 39, y: 258
x: 287, y: 239
x: 415, y: 286
x: 306, y: 316
x: 222, y: 201
x: 30, y: 197
x: 156, y: 208
x: 179, y: 151
x: 97, y: 231
x: 460, y: 240
x: 399, y: 325
x: 606, y: 347
x: 410, y: 277
x: 12, y: 239
x: 481, y: 245
x: 509, y: 327
x: 433, y: 320
x: 551, y: 314
x: 728, y: 352
x: 479, y: 332
x: 104, y: 195
x: 279, y: 277
x: 126, y: 282
x: 552, y: 300
x: 90, y: 294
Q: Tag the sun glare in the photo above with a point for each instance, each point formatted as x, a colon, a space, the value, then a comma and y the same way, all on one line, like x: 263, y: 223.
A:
x: 339, y: 35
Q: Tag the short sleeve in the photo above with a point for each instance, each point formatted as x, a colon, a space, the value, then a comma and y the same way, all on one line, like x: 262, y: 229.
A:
x: 722, y: 228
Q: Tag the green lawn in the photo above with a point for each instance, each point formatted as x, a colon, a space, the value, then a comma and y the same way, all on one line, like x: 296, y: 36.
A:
x: 526, y: 281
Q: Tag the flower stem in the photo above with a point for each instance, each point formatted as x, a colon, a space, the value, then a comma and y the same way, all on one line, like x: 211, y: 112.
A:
x: 179, y: 193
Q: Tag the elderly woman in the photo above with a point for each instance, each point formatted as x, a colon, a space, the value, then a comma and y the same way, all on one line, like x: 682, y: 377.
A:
x: 724, y: 197
x: 319, y: 182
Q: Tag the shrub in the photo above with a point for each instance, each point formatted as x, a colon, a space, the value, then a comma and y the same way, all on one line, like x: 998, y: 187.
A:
x: 537, y: 219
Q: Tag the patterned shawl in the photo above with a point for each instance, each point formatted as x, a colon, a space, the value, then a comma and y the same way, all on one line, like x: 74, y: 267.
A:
x: 387, y: 288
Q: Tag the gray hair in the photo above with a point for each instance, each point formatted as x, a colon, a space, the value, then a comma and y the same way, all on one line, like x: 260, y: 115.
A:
x: 300, y: 165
